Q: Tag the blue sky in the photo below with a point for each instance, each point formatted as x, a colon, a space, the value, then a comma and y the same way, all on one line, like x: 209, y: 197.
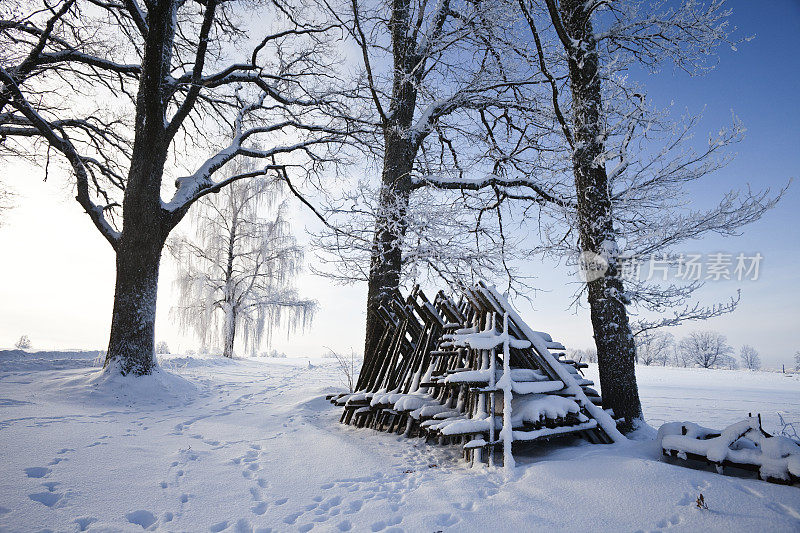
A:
x: 58, y: 276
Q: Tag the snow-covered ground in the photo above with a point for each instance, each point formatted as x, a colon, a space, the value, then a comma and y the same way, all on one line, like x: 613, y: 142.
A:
x: 217, y: 445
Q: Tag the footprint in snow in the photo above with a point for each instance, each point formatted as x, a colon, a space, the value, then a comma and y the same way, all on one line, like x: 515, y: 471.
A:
x: 383, y: 524
x: 141, y: 518
x: 51, y: 485
x: 37, y: 471
x: 260, y: 508
x: 446, y: 519
x: 468, y: 506
x: 83, y: 522
x: 216, y: 528
x: 48, y: 499
x: 668, y: 522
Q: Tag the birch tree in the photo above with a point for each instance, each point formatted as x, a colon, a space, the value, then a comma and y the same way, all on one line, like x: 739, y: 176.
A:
x: 236, y: 274
x: 132, y: 95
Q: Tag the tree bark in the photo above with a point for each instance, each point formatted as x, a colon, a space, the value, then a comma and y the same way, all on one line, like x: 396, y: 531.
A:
x: 616, y: 350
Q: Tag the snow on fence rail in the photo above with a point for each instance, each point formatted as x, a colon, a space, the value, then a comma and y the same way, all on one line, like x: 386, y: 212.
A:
x: 472, y: 373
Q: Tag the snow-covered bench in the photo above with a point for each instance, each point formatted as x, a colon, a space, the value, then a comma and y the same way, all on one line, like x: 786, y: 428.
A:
x: 742, y: 445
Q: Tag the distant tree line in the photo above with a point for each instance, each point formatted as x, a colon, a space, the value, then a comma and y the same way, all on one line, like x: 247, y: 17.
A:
x: 702, y: 349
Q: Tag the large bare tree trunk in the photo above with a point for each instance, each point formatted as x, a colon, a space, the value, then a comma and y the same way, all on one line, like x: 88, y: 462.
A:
x: 132, y: 341
x: 390, y: 226
x: 616, y: 350
x: 131, y: 346
x: 398, y: 160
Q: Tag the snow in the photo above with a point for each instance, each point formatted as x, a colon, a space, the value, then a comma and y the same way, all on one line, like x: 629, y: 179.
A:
x: 209, y: 444
x: 482, y: 376
x: 532, y: 408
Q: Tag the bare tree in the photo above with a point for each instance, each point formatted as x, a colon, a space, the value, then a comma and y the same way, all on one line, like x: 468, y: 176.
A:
x: 750, y: 358
x: 587, y: 355
x: 130, y: 93
x: 347, y: 366
x: 24, y: 343
x: 654, y: 348
x: 162, y: 347
x: 429, y: 71
x: 636, y: 206
x: 707, y: 349
x: 236, y: 275
x: 6, y: 200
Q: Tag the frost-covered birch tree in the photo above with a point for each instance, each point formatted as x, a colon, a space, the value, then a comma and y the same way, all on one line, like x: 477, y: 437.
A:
x: 132, y: 96
x: 236, y: 273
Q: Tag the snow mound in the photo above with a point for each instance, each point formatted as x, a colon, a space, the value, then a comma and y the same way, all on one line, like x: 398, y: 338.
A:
x: 108, y: 387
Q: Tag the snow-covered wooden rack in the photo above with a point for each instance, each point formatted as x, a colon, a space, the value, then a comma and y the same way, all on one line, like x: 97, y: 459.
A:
x: 472, y: 373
